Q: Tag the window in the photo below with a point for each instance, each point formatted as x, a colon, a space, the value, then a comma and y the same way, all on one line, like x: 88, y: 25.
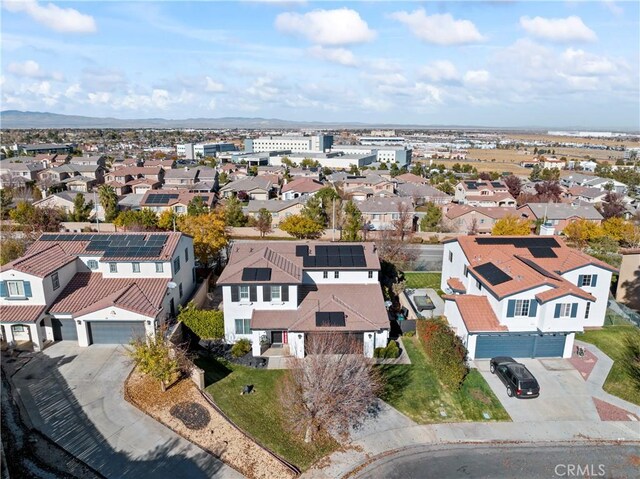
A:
x: 585, y: 280
x: 180, y: 289
x: 325, y: 274
x: 275, y: 293
x: 370, y: 274
x: 176, y: 265
x: 478, y: 285
x: 15, y: 289
x: 243, y: 326
x: 565, y: 310
x: 522, y: 307
x: 336, y: 274
x: 136, y: 267
x: 159, y: 267
x: 587, y: 311
x: 113, y: 267
x: 186, y: 255
x: 450, y: 256
x: 92, y: 264
x: 55, y: 281
x: 244, y: 293
x: 466, y: 271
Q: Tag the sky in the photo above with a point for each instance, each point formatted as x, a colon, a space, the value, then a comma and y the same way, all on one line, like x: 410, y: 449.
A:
x: 480, y: 63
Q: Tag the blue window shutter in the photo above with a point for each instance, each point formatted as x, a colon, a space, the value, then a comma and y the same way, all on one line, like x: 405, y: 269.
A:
x: 580, y: 277
x: 574, y: 310
x: 285, y: 293
x: 556, y: 314
x: 266, y: 293
x: 594, y: 280
x: 533, y: 308
x: 3, y: 289
x: 511, y: 308
x: 27, y: 289
x: 235, y: 294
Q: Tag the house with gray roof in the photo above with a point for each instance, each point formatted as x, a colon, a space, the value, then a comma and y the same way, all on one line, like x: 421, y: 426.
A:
x: 381, y: 213
x: 279, y: 209
x: 256, y: 188
x: 557, y: 216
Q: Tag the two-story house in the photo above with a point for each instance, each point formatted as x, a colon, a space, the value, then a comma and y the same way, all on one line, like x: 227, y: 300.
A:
x: 280, y: 293
x: 523, y: 296
x: 300, y: 188
x: 95, y: 287
x: 178, y: 201
x: 483, y: 193
x: 384, y: 213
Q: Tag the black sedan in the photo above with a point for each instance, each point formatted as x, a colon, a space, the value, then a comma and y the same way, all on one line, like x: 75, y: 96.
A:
x: 516, y: 377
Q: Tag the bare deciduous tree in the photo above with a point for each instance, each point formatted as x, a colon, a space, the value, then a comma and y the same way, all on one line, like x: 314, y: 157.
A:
x: 403, y: 224
x: 332, y: 389
x: 391, y: 249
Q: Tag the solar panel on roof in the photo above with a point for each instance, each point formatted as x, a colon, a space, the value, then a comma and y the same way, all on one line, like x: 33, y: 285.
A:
x: 330, y: 319
x: 346, y: 261
x: 496, y: 184
x: 333, y: 260
x: 302, y: 250
x: 256, y: 274
x: 309, y: 261
x: 492, y: 274
x: 48, y: 237
x: 542, y: 253
x: 322, y: 261
x: 359, y: 261
x: 527, y: 242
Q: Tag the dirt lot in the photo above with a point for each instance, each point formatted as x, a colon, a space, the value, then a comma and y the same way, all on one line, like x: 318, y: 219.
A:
x: 513, y: 156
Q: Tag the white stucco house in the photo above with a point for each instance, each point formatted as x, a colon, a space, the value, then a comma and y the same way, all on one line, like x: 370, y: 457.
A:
x: 281, y: 293
x: 522, y: 296
x: 95, y: 287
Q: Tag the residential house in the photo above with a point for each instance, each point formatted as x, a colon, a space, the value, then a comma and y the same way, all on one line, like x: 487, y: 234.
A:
x: 382, y: 213
x: 91, y: 171
x: 55, y: 176
x: 140, y: 186
x: 314, y: 173
x: 607, y: 184
x: 422, y: 193
x: 52, y: 159
x: 130, y: 202
x: 524, y: 296
x: 165, y: 164
x: 15, y: 172
x: 176, y: 200
x: 95, y: 288
x: 281, y: 294
x: 628, y: 291
x: 279, y: 209
x: 483, y: 193
x: 82, y: 184
x: 178, y: 178
x: 587, y: 194
x: 207, y: 174
x: 411, y: 178
x: 129, y: 173
x: 119, y: 187
x: 49, y: 148
x: 300, y: 188
x: 96, y: 160
x: 256, y: 188
x: 479, y: 219
x: 361, y: 187
x: 556, y: 216
x: 64, y: 201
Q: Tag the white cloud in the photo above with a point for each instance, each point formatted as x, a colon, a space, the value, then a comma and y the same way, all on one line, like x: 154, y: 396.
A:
x: 558, y: 29
x: 213, y: 86
x: 341, y: 56
x: 73, y: 90
x: 441, y: 29
x: 263, y: 89
x: 342, y: 26
x: 377, y: 104
x: 477, y: 77
x: 439, y: 71
x: 213, y: 104
x: 31, y: 69
x: 97, y: 98
x: 613, y: 7
x: 582, y: 63
x: 63, y: 20
x: 428, y: 94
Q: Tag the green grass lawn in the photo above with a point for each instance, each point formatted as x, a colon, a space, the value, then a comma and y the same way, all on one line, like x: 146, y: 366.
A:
x: 259, y: 414
x: 416, y: 392
x: 610, y: 341
x: 423, y: 280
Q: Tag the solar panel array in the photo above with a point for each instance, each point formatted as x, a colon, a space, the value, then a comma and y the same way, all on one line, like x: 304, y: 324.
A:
x: 471, y: 185
x: 332, y: 319
x: 542, y: 253
x: 256, y: 274
x: 114, y: 246
x: 528, y: 242
x: 161, y: 198
x: 496, y: 184
x: 302, y: 250
x: 348, y: 256
x: 492, y: 274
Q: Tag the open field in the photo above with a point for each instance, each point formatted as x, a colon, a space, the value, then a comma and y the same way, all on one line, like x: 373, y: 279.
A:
x: 573, y: 139
x: 513, y: 156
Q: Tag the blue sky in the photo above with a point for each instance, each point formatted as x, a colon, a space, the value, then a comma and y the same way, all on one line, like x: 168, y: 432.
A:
x: 548, y: 64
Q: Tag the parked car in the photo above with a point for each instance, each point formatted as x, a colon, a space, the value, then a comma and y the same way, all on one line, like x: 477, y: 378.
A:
x: 516, y: 377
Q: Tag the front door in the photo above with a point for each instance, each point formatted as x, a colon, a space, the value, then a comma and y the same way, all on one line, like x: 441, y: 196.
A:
x: 276, y: 337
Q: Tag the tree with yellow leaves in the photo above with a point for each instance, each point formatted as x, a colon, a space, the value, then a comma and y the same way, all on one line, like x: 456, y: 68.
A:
x: 167, y: 220
x: 582, y: 231
x: 624, y: 232
x: 209, y: 234
x: 511, y: 225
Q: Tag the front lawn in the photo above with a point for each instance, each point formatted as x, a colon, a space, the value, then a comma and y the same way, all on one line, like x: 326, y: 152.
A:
x: 416, y: 392
x: 610, y: 341
x: 417, y: 280
x: 259, y: 414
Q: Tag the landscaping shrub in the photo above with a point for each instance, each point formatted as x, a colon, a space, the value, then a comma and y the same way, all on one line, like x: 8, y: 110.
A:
x: 416, y: 240
x: 242, y: 347
x: 392, y: 350
x: 379, y: 352
x: 208, y: 324
x: 409, y: 334
x: 445, y: 350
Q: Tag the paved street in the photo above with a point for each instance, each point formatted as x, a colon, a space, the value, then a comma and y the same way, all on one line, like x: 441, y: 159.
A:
x: 75, y: 396
x: 428, y: 257
x: 496, y: 462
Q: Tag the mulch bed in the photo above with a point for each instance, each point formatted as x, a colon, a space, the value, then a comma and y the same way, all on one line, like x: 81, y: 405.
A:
x: 609, y: 412
x: 193, y: 415
x: 584, y: 365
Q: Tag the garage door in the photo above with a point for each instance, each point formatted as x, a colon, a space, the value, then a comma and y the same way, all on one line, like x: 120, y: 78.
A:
x: 342, y: 342
x: 115, y: 332
x: 520, y: 345
x: 64, y: 329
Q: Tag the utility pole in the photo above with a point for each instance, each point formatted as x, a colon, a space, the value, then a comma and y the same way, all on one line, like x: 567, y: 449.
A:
x: 95, y: 204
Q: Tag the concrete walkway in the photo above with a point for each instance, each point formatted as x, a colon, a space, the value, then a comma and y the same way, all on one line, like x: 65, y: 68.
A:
x: 391, y: 430
x: 75, y: 397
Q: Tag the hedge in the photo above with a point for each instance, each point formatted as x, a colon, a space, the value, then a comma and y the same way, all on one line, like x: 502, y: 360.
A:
x: 208, y: 324
x: 392, y: 351
x: 445, y: 350
x: 242, y: 347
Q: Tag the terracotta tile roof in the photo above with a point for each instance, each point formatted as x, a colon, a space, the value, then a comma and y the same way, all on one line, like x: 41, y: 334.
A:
x: 495, y: 197
x: 476, y: 313
x: 281, y: 257
x: 362, y: 304
x: 90, y: 292
x: 41, y: 263
x: 184, y: 197
x: 495, y: 212
x: 303, y: 185
x: 456, y: 285
x: 20, y: 314
x: 563, y: 289
x: 411, y: 178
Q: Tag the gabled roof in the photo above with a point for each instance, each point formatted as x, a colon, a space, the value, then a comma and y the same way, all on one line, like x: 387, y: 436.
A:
x: 562, y: 211
x: 476, y: 312
x: 20, y: 314
x: 384, y: 205
x: 411, y: 178
x: 419, y: 190
x: 271, y: 205
x: 41, y: 263
x: 303, y: 185
x: 495, y: 212
x: 248, y: 184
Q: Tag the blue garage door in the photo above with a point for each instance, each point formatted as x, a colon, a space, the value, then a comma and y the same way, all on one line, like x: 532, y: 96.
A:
x: 64, y: 329
x: 526, y: 345
x: 115, y: 332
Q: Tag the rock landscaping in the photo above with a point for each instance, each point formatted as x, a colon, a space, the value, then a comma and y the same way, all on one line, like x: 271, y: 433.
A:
x: 193, y: 415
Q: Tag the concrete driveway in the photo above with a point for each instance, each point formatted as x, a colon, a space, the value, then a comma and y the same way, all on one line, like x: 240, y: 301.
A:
x: 563, y: 393
x: 74, y: 395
